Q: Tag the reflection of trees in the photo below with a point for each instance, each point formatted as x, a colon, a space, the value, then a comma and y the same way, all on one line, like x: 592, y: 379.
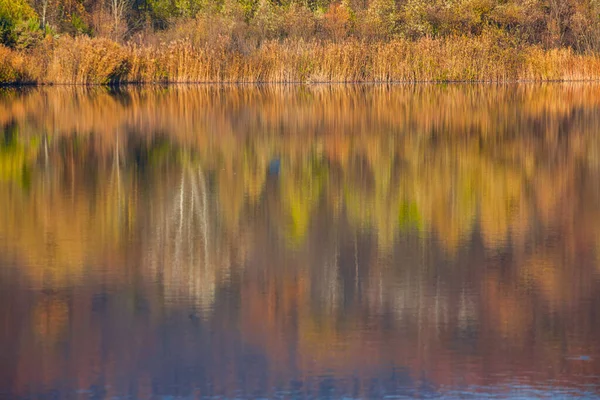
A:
x: 181, y: 250
x: 434, y: 230
x: 16, y: 155
x: 57, y: 224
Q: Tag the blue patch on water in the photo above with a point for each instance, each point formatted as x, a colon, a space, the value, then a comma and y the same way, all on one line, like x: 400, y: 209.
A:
x: 274, y: 166
x: 580, y: 358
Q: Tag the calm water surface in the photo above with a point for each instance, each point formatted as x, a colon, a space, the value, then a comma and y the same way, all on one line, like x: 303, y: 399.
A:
x: 300, y: 242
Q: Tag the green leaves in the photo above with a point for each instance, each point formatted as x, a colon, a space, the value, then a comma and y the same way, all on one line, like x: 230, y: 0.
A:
x: 13, y: 14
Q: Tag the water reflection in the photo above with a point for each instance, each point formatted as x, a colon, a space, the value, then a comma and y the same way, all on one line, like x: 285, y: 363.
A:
x: 326, y: 241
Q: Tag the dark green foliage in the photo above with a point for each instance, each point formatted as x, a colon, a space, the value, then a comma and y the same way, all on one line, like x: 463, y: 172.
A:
x: 16, y: 20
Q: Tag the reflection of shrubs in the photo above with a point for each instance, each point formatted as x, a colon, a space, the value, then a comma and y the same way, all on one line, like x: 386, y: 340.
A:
x: 16, y: 157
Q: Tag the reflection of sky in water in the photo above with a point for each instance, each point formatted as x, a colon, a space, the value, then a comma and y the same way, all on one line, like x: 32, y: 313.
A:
x: 523, y: 392
x: 325, y: 388
x: 263, y: 242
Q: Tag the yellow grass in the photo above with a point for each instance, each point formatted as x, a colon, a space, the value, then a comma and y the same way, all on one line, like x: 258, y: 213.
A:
x: 85, y: 60
x: 13, y: 68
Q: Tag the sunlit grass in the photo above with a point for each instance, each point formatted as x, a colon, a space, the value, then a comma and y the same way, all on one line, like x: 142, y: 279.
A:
x: 483, y: 59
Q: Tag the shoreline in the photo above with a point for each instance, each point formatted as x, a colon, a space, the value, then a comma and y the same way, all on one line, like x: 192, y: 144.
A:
x: 298, y: 83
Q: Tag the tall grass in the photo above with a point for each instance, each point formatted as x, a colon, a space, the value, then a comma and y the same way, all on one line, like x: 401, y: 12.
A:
x: 85, y: 60
x: 13, y: 67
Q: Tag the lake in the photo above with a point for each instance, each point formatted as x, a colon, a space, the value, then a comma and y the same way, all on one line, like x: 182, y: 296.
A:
x: 299, y: 242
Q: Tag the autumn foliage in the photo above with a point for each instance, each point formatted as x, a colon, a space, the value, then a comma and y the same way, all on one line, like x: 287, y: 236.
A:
x: 117, y: 41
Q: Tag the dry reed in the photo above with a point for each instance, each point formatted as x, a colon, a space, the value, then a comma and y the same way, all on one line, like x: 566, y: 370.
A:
x: 84, y: 60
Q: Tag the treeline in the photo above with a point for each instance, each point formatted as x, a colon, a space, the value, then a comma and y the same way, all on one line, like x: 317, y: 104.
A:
x: 550, y: 23
x: 276, y: 40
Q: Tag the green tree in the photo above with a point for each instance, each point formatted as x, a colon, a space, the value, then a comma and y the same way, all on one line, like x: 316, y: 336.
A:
x: 12, y: 14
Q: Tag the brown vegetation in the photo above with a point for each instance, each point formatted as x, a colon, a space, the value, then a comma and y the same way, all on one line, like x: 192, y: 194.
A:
x: 85, y: 60
x: 161, y: 41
